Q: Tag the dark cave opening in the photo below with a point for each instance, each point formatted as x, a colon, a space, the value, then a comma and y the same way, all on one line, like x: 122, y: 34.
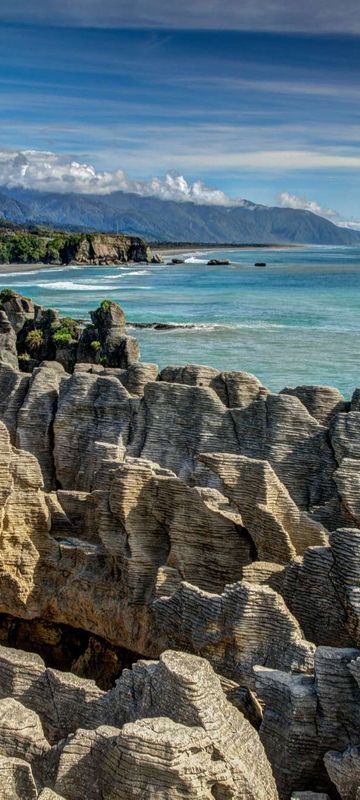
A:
x: 67, y: 649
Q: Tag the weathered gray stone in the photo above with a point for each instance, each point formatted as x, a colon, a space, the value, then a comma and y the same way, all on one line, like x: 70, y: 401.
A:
x: 189, y: 743
x: 8, y: 351
x: 36, y: 416
x: 344, y: 771
x: 244, y: 626
x: 92, y: 427
x: 16, y: 780
x: 21, y: 735
x: 13, y: 389
x: 19, y: 310
x: 305, y: 717
x: 322, y: 402
x: 278, y: 527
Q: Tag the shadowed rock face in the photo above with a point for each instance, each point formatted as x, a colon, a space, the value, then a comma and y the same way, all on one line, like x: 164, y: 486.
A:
x: 165, y: 731
x: 192, y: 511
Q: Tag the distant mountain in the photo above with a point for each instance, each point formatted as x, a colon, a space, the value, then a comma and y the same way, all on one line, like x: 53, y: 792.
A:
x: 171, y: 221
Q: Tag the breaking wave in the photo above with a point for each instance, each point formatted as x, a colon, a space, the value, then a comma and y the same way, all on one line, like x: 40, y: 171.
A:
x: 71, y: 286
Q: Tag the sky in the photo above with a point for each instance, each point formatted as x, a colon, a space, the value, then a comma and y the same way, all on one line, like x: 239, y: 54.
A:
x: 210, y: 101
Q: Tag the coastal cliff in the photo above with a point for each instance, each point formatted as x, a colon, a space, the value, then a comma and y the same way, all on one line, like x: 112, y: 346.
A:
x: 39, y: 245
x: 187, y: 516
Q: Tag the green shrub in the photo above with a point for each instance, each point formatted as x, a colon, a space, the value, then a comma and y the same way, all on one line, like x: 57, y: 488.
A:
x: 70, y: 324
x: 54, y: 249
x: 103, y: 360
x: 5, y: 251
x: 95, y: 345
x: 24, y: 357
x: 6, y: 294
x: 35, y: 339
x: 105, y: 305
x: 27, y: 248
x: 62, y: 336
x: 64, y: 330
x: 65, y: 324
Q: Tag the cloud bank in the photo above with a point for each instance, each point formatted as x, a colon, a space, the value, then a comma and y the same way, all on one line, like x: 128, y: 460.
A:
x: 280, y: 15
x: 287, y: 200
x: 50, y: 172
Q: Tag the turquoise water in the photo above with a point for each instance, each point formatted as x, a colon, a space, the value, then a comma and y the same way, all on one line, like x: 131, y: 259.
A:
x: 296, y: 321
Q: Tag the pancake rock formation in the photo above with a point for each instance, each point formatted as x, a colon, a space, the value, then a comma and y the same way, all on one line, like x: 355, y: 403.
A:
x: 179, y: 574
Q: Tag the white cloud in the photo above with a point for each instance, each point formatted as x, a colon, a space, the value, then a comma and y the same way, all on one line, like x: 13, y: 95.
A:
x: 287, y: 200
x: 352, y: 223
x: 45, y: 171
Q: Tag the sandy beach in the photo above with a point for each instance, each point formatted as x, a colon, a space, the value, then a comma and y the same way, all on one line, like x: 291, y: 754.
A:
x: 9, y: 269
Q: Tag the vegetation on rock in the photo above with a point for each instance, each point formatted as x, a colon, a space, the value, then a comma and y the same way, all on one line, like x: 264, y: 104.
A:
x: 43, y: 245
x: 35, y: 339
x: 6, y: 294
x: 65, y: 331
x: 62, y: 337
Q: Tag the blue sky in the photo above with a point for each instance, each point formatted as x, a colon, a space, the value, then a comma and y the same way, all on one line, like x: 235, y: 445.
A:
x: 256, y: 113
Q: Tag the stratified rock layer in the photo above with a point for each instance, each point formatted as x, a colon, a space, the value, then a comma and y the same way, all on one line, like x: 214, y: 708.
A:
x: 166, y: 730
x: 190, y: 511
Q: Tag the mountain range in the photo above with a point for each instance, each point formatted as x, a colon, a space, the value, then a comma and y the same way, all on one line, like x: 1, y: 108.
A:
x: 171, y: 221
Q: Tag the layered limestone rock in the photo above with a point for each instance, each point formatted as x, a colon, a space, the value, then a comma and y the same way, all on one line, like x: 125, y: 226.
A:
x: 306, y: 717
x: 8, y: 351
x: 246, y: 625
x: 276, y: 428
x: 280, y: 530
x: 323, y: 590
x: 189, y: 509
x: 18, y: 310
x: 344, y: 771
x: 345, y: 438
x: 235, y: 389
x: 169, y: 733
x: 127, y: 577
x: 322, y: 402
x: 154, y: 507
x: 35, y: 417
x: 16, y: 780
x: 105, y: 249
x: 92, y: 429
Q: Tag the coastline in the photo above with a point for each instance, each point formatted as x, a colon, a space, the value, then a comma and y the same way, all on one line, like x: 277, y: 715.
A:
x: 8, y: 269
x: 165, y: 251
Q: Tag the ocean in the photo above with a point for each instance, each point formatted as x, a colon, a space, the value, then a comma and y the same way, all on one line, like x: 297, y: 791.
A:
x: 297, y: 321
